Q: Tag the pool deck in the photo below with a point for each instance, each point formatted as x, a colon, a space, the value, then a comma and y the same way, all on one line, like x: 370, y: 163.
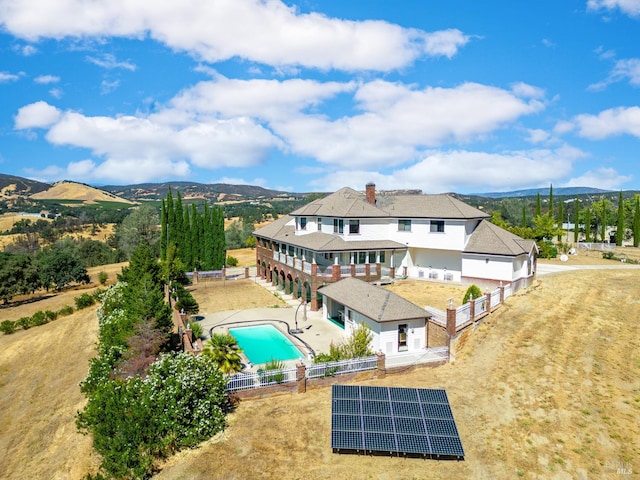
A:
x: 316, y: 332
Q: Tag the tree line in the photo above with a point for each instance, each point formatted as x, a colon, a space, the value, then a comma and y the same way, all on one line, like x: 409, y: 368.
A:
x: 591, y: 219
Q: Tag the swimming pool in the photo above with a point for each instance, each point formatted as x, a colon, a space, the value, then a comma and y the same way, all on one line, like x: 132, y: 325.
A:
x: 262, y: 343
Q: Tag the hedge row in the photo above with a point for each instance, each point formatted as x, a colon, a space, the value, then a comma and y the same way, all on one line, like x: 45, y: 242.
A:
x: 43, y: 317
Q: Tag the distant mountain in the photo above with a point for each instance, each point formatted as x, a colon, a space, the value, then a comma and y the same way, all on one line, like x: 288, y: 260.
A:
x: 190, y: 190
x: 560, y: 191
x: 11, y: 186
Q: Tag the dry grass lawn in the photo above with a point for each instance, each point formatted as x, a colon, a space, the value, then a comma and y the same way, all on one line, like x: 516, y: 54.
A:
x: 547, y: 387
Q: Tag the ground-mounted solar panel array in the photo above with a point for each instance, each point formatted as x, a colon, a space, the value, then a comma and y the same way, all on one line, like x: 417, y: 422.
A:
x: 413, y: 422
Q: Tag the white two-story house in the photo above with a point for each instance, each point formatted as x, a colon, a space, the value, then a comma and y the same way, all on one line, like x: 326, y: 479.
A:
x: 377, y: 237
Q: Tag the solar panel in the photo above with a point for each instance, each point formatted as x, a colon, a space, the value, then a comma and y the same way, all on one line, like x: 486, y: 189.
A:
x: 394, y: 421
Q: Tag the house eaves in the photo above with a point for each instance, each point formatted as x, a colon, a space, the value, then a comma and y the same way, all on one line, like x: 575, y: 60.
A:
x: 373, y: 302
x: 489, y: 239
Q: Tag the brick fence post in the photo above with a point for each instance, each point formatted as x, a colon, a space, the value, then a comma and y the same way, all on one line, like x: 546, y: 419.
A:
x: 246, y: 272
x: 382, y: 365
x: 488, y: 296
x: 501, y: 292
x: 301, y: 377
x: 451, y: 328
x: 472, y: 308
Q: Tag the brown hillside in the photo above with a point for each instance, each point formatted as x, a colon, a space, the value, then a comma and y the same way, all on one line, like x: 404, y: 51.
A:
x: 547, y: 387
x: 77, y: 191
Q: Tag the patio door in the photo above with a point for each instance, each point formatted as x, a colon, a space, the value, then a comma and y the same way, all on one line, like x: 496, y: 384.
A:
x: 402, y: 338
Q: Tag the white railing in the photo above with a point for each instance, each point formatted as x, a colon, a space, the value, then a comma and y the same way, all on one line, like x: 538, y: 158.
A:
x: 361, y: 269
x: 330, y: 369
x: 480, y: 305
x: 438, y: 316
x: 495, y: 298
x: 373, y: 269
x: 264, y: 378
x: 507, y: 291
x: 307, y: 268
x: 345, y: 270
x: 596, y: 246
x: 463, y: 314
x: 297, y: 264
x: 385, y: 271
x: 290, y: 261
x: 327, y: 272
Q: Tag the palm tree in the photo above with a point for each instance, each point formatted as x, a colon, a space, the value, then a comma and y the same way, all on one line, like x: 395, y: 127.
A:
x: 223, y: 349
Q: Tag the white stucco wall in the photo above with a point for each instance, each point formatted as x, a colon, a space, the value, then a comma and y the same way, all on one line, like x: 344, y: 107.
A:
x: 487, y: 266
x: 385, y: 335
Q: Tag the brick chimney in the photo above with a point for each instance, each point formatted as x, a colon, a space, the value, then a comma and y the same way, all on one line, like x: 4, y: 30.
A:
x: 370, y: 193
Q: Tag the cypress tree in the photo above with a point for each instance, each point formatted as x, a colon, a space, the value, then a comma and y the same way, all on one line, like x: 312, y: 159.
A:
x: 186, y: 240
x: 179, y: 227
x: 538, y: 205
x: 171, y: 219
x: 208, y: 238
x: 587, y: 225
x: 576, y: 221
x: 550, y: 212
x: 194, y: 237
x: 560, y: 215
x: 524, y: 216
x: 620, y: 223
x: 163, y: 231
x: 636, y: 222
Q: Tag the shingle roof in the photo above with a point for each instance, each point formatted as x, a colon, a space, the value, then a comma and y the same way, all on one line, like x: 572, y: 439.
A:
x: 279, y: 231
x: 488, y: 238
x: 348, y: 203
x: 427, y: 206
x: 345, y: 203
x: 373, y: 302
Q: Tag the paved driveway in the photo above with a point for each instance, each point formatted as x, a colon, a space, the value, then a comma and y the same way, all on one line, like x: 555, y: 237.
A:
x: 548, y: 268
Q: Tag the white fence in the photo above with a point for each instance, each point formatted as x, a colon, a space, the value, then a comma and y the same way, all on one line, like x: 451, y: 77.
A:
x: 596, y: 246
x: 266, y: 378
x: 319, y: 370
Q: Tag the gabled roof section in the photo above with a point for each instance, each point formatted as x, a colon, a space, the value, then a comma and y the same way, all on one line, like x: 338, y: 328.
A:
x: 373, y: 302
x: 283, y: 230
x: 491, y: 239
x: 440, y: 206
x: 345, y: 203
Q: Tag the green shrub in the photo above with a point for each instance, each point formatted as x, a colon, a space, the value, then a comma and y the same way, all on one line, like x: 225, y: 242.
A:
x: 232, y: 261
x: 24, y: 323
x: 609, y: 256
x: 65, y: 311
x: 38, y: 318
x: 85, y: 300
x: 547, y: 250
x: 196, y: 329
x: 103, y: 277
x: 7, y: 327
x: 97, y: 294
x: 51, y: 316
x: 272, y: 372
x: 474, y: 291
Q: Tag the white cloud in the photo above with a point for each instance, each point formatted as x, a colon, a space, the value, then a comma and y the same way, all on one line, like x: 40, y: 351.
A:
x: 26, y: 50
x: 264, y: 31
x: 462, y: 170
x: 8, y: 77
x: 36, y: 115
x: 525, y: 90
x: 108, y: 86
x: 623, y: 69
x: 614, y: 121
x: 46, y: 79
x: 109, y: 62
x: 537, y: 135
x: 397, y: 121
x: 56, y: 92
x: 629, y: 7
x: 605, y: 178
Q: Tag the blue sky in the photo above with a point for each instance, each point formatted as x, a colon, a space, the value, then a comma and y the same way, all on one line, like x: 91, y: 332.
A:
x: 456, y: 96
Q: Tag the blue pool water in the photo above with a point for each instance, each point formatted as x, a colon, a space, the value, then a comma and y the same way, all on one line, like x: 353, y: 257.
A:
x: 262, y: 343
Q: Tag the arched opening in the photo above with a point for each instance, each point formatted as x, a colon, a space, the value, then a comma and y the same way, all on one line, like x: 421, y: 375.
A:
x: 307, y: 292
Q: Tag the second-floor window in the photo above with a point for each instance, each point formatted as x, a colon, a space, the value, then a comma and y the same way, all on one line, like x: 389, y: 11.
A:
x: 303, y: 223
x: 319, y: 223
x: 437, y: 226
x: 354, y: 226
x: 338, y: 225
x: 404, y: 225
